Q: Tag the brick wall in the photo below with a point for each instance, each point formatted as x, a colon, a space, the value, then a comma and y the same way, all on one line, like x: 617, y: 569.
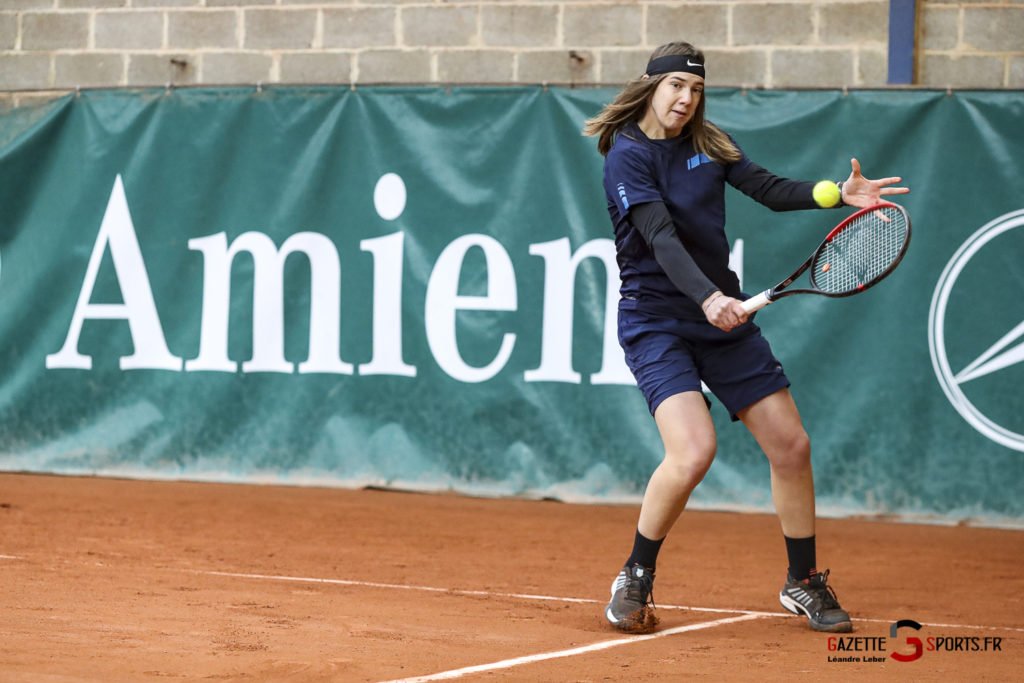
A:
x: 63, y: 44
x: 971, y: 44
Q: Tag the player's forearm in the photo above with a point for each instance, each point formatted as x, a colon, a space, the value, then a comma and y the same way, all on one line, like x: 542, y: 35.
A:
x: 775, y: 192
x: 653, y: 222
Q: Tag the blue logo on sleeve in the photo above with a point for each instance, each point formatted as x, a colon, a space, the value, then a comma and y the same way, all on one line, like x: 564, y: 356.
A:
x: 622, y: 195
x: 696, y: 160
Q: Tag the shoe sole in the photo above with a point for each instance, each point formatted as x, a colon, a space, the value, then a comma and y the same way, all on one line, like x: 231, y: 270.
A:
x: 796, y: 608
x: 644, y: 620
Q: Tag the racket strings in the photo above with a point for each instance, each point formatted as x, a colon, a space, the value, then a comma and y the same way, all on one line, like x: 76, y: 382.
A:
x: 862, y: 252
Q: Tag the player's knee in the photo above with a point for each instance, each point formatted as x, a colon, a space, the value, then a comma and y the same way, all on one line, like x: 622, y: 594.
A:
x: 693, y: 461
x: 793, y: 454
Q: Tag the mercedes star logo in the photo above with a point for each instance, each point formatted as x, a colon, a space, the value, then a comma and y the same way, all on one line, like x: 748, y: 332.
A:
x: 989, y: 353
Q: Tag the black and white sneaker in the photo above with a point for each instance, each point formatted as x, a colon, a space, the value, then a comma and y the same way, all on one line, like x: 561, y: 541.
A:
x: 632, y: 605
x: 815, y: 599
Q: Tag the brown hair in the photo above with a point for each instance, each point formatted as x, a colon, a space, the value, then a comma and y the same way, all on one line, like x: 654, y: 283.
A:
x: 632, y: 102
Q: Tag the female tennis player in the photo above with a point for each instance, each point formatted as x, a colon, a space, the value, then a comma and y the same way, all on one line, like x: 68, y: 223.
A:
x: 680, y: 319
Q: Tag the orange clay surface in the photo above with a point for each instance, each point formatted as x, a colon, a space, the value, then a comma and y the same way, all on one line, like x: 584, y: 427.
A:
x: 115, y: 580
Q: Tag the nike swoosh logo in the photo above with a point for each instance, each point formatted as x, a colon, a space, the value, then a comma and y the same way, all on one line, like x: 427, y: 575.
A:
x: 689, y: 63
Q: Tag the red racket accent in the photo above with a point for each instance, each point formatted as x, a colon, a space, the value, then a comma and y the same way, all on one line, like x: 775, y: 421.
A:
x: 861, y: 250
x: 856, y: 216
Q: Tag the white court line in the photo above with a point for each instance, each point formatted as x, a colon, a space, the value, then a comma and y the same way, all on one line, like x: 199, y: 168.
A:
x: 593, y: 647
x: 11, y: 557
x: 551, y: 598
x: 487, y: 594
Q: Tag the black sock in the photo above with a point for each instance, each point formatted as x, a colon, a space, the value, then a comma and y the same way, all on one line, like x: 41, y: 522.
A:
x: 801, y: 557
x: 645, y: 551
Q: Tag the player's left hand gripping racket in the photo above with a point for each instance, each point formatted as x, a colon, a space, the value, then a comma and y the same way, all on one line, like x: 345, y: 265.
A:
x: 857, y: 254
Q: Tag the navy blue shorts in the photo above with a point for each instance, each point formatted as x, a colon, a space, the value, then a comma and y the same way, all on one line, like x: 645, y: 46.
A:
x: 669, y: 356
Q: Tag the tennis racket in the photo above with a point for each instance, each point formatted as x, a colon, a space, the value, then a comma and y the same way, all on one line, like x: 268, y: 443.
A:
x: 857, y: 254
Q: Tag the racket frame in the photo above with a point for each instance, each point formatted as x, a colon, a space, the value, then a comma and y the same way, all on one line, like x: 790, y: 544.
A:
x: 779, y: 291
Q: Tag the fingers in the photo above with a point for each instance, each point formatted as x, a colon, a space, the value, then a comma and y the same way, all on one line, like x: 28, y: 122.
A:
x: 888, y: 181
x: 856, y: 175
x: 862, y: 192
x: 880, y: 184
x: 725, y: 313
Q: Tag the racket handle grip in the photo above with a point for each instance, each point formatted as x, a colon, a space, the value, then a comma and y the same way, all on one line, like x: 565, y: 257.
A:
x: 756, y: 303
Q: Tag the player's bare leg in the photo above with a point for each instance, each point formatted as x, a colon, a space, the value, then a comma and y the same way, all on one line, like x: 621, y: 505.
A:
x: 775, y: 423
x: 689, y: 438
x: 688, y: 435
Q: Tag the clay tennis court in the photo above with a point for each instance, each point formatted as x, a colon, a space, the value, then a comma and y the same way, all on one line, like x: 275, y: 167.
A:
x: 120, y: 580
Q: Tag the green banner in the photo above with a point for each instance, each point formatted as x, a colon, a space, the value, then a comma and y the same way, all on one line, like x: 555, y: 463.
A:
x: 416, y: 288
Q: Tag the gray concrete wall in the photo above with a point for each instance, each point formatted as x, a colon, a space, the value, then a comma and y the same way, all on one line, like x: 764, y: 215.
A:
x: 62, y: 44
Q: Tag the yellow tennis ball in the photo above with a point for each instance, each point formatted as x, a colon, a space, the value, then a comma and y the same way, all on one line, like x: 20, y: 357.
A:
x: 826, y: 194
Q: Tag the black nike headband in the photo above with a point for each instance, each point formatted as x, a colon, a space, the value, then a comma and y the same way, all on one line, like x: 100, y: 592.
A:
x: 671, y: 63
